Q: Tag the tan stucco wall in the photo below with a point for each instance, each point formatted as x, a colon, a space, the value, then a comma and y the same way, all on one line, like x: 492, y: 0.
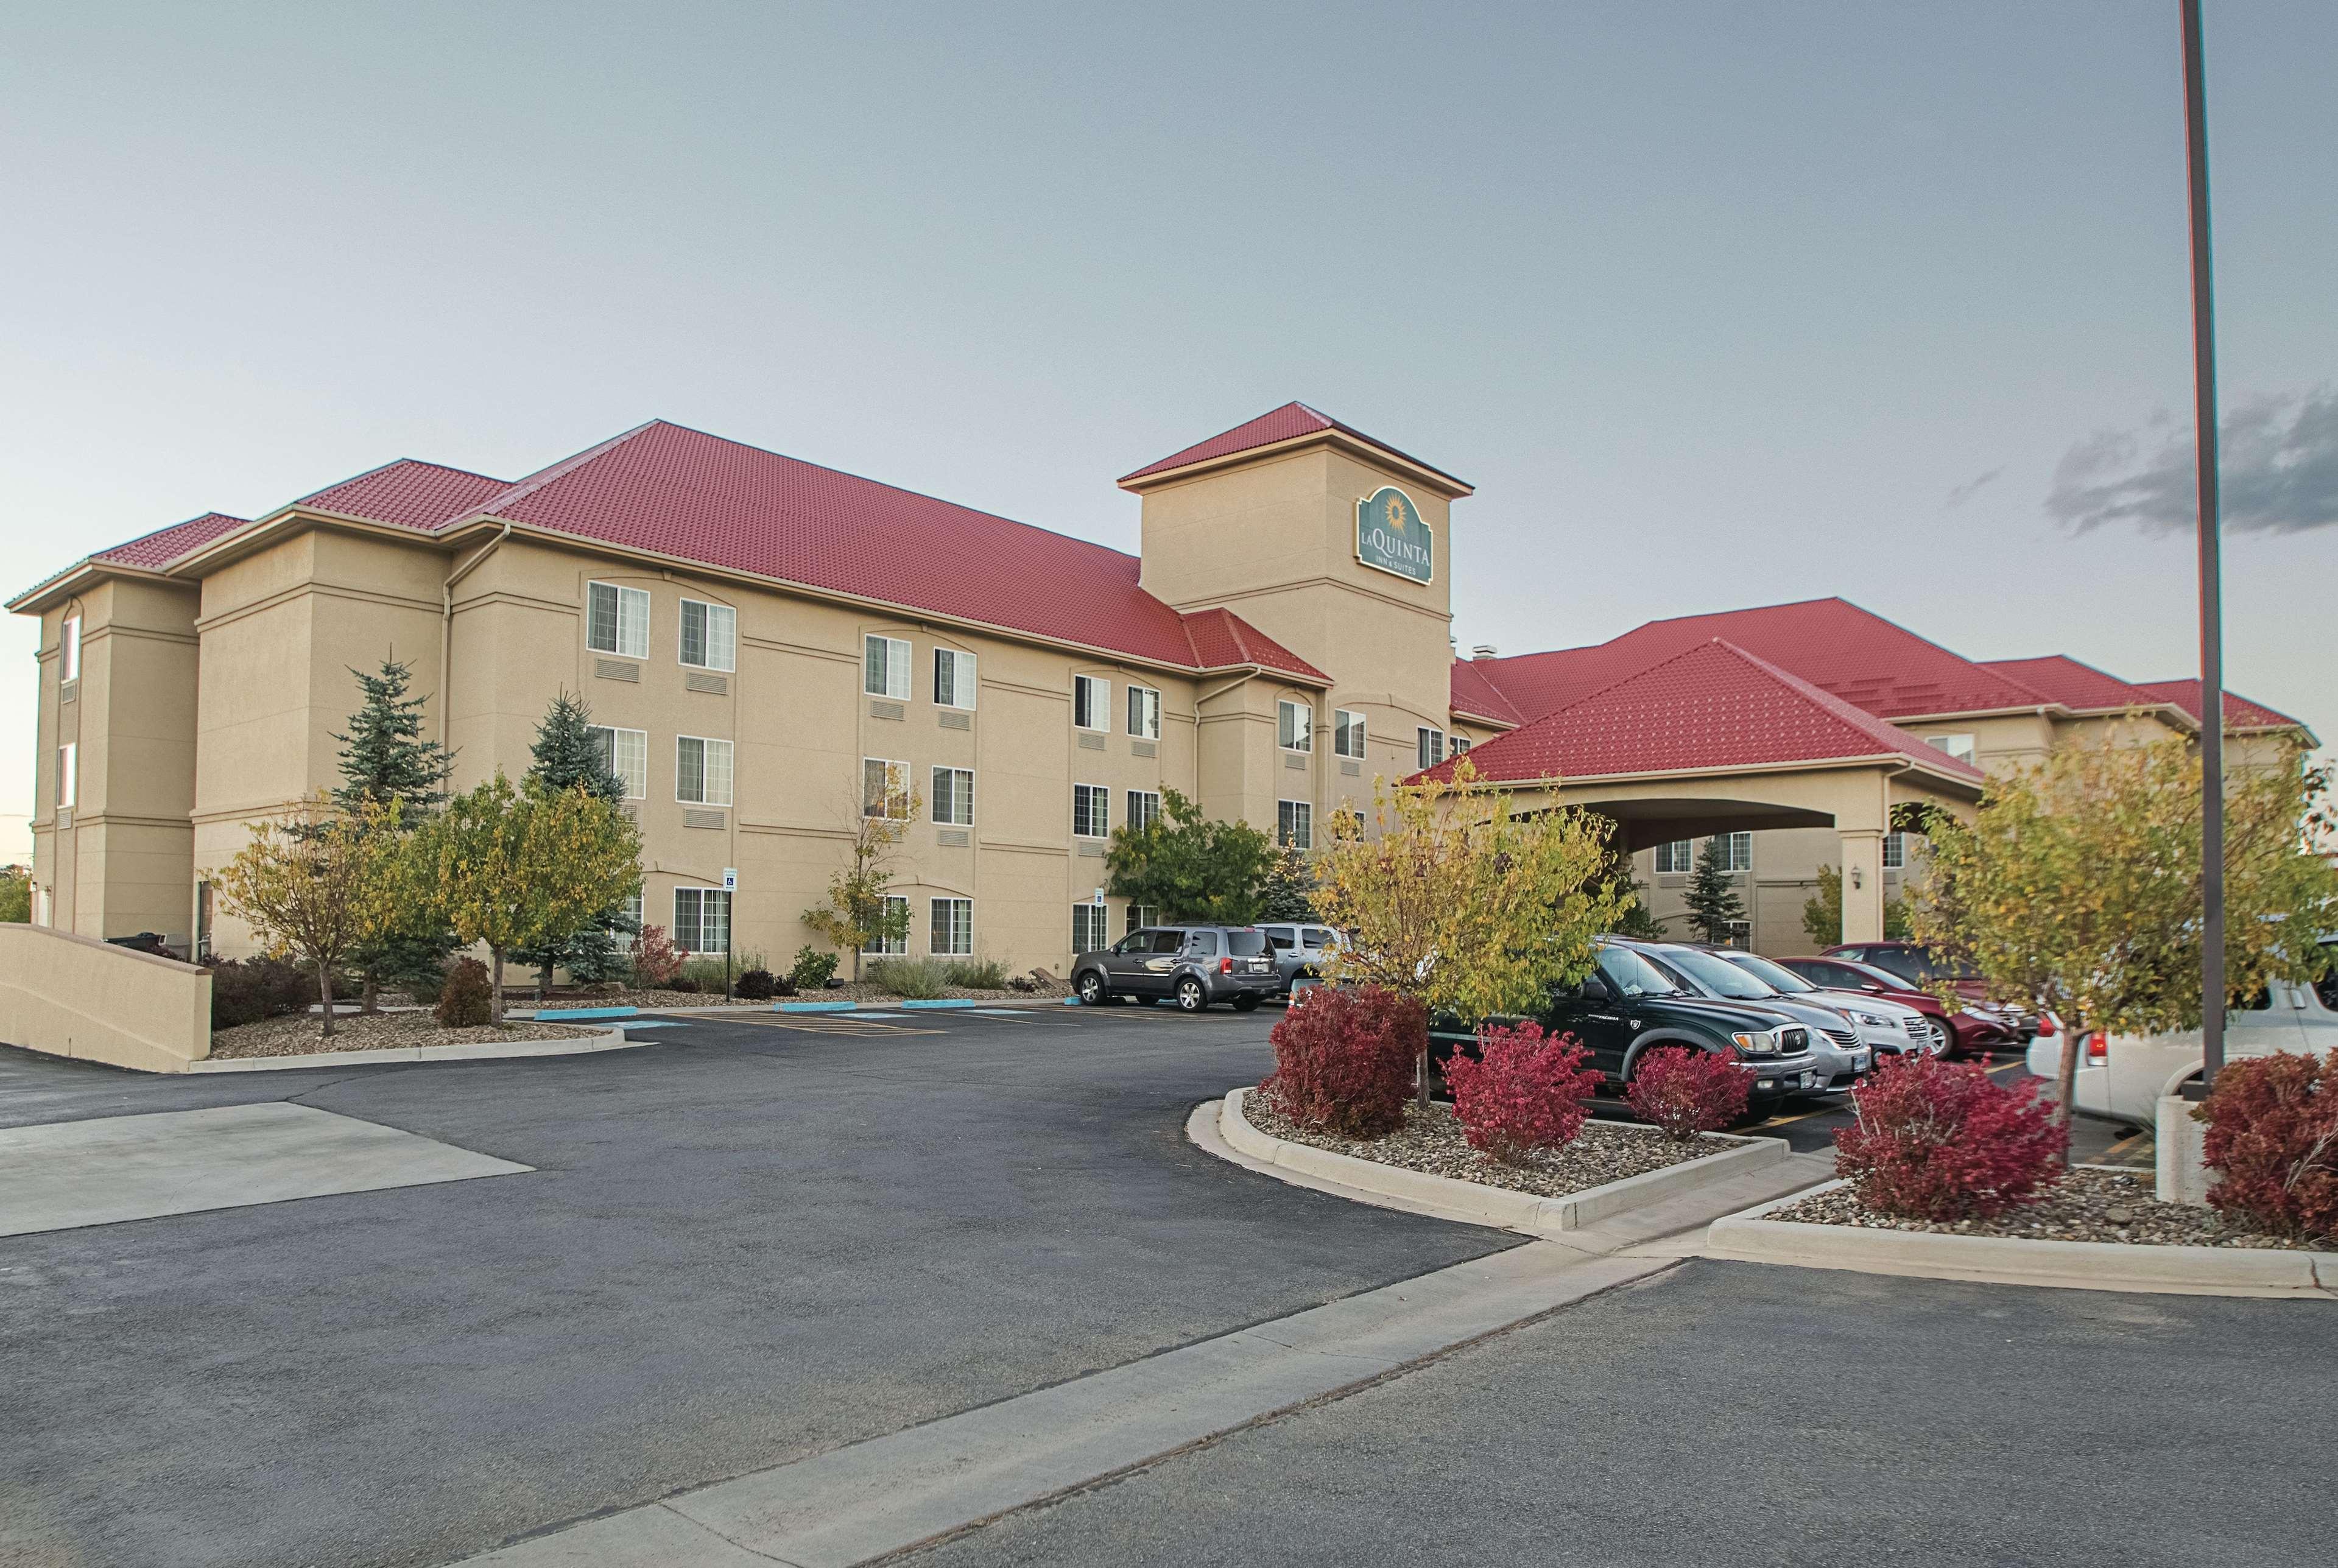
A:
x: 71, y: 995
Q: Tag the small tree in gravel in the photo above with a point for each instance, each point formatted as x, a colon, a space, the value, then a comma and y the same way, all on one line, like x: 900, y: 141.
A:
x: 1942, y: 1141
x: 1525, y: 1091
x: 317, y: 884
x: 1682, y: 1092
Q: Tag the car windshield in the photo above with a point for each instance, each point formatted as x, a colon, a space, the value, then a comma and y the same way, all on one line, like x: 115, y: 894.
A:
x: 1776, y: 977
x: 1718, y: 976
x: 1245, y: 943
x: 1632, y: 975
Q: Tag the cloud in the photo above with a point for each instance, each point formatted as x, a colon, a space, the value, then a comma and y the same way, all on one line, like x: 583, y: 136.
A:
x: 1966, y: 491
x: 2278, y: 457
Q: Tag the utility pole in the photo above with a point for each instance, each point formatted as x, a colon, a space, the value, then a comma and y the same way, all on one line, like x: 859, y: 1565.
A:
x: 2212, y: 615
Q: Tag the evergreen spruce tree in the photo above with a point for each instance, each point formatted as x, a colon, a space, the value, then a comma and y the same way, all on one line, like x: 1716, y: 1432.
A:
x: 385, y: 760
x: 565, y: 755
x: 1712, y: 902
x: 1288, y: 893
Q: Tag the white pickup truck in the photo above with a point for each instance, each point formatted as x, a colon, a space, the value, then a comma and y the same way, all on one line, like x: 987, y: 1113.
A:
x: 2121, y: 1077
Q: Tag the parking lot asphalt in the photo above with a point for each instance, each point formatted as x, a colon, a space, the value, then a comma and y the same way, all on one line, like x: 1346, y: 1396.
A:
x: 1728, y: 1414
x: 755, y: 1239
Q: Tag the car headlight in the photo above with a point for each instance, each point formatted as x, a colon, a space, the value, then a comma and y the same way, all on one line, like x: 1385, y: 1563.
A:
x: 1869, y: 1021
x: 1758, y: 1044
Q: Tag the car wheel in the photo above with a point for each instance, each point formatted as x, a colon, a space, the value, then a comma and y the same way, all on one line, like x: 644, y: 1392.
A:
x: 1191, y: 997
x: 1245, y: 1004
x: 1092, y: 991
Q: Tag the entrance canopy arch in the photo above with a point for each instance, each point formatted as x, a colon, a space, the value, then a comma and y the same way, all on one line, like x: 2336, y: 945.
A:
x: 1716, y: 741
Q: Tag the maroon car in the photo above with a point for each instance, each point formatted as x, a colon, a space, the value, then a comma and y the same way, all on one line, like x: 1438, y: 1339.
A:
x: 1972, y: 1032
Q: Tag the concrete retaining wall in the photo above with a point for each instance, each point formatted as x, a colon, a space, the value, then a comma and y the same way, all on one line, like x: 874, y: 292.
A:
x: 77, y: 996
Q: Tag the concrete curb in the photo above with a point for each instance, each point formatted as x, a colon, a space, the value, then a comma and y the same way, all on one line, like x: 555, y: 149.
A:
x: 1521, y: 1211
x: 601, y: 1040
x: 940, y: 1003
x: 814, y: 1007
x: 1749, y: 1238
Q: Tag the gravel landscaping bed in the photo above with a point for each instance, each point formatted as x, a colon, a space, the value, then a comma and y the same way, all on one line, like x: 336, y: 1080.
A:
x: 2087, y: 1206
x: 297, y: 1036
x: 1431, y: 1141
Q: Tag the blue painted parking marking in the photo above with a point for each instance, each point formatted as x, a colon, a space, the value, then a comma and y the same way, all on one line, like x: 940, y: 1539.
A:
x: 816, y: 1007
x: 945, y: 1002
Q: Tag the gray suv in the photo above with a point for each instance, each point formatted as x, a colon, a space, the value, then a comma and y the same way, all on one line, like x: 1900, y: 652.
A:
x: 1298, y: 950
x: 1192, y: 966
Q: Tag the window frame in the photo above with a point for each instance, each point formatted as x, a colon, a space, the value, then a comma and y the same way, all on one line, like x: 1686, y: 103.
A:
x: 1730, y: 864
x: 936, y: 799
x: 1136, y: 821
x: 1144, y: 709
x: 1303, y: 726
x: 706, y: 770
x: 962, y: 673
x: 1429, y: 745
x: 624, y: 595
x: 1093, y: 921
x: 1294, y: 824
x: 704, y: 897
x: 1100, y: 818
x: 68, y: 775
x: 1346, y: 724
x: 614, y: 732
x: 1141, y: 915
x: 892, y: 794
x: 1895, y: 852
x: 69, y: 649
x: 870, y: 643
x: 953, y: 901
x: 1094, y: 693
x: 892, y: 947
x: 728, y: 614
x: 1961, y: 746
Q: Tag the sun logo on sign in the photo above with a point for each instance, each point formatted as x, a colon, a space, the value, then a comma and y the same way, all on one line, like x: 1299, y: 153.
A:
x: 1395, y: 510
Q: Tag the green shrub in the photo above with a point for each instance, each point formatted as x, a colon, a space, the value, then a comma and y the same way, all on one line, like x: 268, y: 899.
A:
x: 812, y: 968
x: 705, y: 974
x: 911, y: 979
x: 246, y: 990
x: 468, y: 998
x: 976, y: 974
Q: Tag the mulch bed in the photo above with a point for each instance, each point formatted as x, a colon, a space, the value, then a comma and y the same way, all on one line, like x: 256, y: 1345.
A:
x: 296, y: 1035
x: 2087, y: 1206
x: 1431, y: 1141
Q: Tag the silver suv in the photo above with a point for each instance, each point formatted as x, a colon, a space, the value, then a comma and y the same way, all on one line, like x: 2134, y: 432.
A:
x: 1192, y: 966
x: 1298, y: 950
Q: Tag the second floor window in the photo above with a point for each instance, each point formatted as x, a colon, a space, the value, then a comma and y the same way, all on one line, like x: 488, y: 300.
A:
x: 1144, y: 712
x: 1143, y: 809
x: 1895, y: 851
x: 885, y: 668
x: 1735, y: 850
x: 954, y: 797
x: 1431, y: 744
x: 1091, y: 811
x: 625, y: 753
x: 1960, y: 747
x: 953, y: 679
x: 701, y: 770
x: 1294, y: 824
x: 884, y: 789
x: 617, y: 619
x: 1091, y: 702
x: 1680, y: 855
x: 1294, y: 726
x: 710, y: 635
x: 1347, y: 732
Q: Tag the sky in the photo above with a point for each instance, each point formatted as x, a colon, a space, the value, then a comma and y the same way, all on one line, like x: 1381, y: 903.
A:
x: 1717, y: 305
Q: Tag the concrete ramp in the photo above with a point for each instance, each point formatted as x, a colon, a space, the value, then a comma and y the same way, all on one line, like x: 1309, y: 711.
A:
x: 111, y: 1169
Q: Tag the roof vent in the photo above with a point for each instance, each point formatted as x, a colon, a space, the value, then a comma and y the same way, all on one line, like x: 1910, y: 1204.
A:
x: 1483, y: 651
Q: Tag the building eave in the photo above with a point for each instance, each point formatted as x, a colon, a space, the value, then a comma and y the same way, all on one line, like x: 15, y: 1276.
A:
x: 1445, y: 484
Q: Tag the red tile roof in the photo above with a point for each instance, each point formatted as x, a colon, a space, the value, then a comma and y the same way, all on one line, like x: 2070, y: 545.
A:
x: 164, y: 546
x: 1472, y: 693
x: 2081, y: 687
x: 1712, y: 705
x: 408, y: 494
x: 1284, y: 424
x: 2240, y: 712
x: 1835, y: 645
x: 685, y: 494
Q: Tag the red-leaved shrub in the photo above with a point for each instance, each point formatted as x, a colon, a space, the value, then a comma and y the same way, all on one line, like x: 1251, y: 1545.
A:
x: 1343, y: 1060
x: 2272, y: 1135
x: 655, y: 962
x: 1526, y: 1091
x: 1683, y: 1092
x: 1941, y: 1141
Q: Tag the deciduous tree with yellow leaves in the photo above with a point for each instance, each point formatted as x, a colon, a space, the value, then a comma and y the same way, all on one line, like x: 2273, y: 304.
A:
x: 1453, y: 898
x: 317, y: 883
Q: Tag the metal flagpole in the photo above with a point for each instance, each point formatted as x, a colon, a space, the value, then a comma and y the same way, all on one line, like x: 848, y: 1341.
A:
x: 2212, y: 630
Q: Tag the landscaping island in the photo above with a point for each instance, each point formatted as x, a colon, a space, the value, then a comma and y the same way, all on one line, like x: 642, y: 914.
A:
x: 2090, y: 1203
x: 296, y: 1035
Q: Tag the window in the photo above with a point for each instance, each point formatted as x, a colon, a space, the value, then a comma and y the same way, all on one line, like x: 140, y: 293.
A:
x: 953, y: 679
x: 1205, y: 943
x: 625, y: 753
x: 1143, y: 809
x: 1459, y: 744
x: 954, y: 797
x: 710, y: 635
x: 953, y: 927
x: 1091, y: 927
x: 1680, y: 855
x: 1140, y: 915
x: 631, y: 907
x: 1091, y: 702
x: 69, y: 649
x: 1316, y: 937
x: 617, y: 619
x: 884, y: 789
x: 1294, y: 824
x: 1960, y: 747
x: 68, y: 774
x: 885, y: 668
x: 1736, y: 850
x: 1144, y: 712
x: 893, y: 930
x: 1431, y: 747
x: 1294, y: 724
x: 1895, y: 851
x: 701, y: 770
x: 1347, y: 732
x: 1740, y: 934
x: 1091, y: 811
x: 702, y: 919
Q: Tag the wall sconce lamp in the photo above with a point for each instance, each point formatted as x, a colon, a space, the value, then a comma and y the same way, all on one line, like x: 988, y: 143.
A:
x: 1857, y: 881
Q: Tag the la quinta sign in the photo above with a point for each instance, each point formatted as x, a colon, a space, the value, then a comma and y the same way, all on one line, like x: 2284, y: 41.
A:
x: 1391, y: 537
